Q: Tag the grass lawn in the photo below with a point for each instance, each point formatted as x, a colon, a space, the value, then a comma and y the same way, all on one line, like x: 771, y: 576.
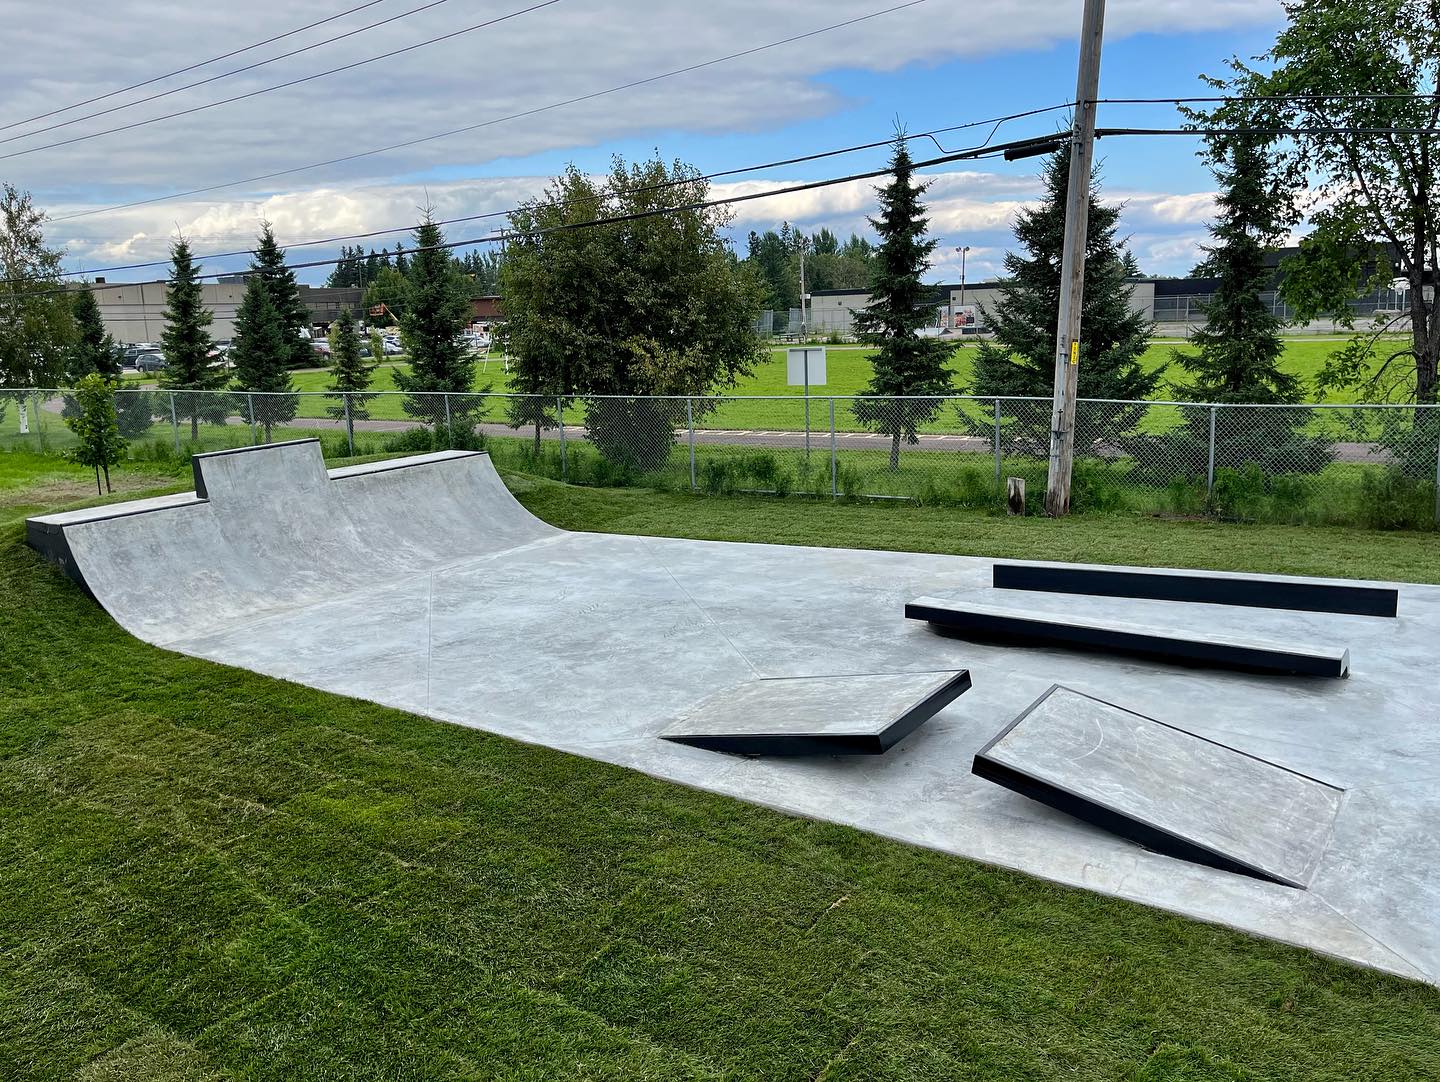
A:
x: 208, y: 874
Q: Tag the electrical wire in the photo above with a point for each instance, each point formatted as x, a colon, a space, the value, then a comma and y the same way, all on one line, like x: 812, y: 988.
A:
x: 994, y: 122
x: 1103, y: 133
x: 496, y: 120
x: 510, y: 236
x: 1265, y: 97
x: 223, y: 74
x: 288, y: 83
x: 191, y: 67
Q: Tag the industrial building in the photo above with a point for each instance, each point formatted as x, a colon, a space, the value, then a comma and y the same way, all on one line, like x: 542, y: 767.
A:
x: 135, y: 311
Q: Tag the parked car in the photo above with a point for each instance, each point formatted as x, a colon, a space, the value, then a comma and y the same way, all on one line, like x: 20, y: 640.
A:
x: 154, y: 361
x: 320, y: 346
x: 391, y: 345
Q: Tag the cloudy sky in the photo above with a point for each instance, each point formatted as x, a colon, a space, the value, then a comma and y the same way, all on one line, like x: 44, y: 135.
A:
x: 933, y: 64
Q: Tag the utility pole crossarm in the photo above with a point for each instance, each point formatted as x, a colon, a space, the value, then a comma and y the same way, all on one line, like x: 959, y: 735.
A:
x: 1072, y: 262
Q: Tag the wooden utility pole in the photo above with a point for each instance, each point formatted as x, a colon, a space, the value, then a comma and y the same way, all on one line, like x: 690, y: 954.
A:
x: 1072, y: 262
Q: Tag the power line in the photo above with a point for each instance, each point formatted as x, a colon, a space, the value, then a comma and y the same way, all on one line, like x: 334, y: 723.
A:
x: 192, y: 67
x: 497, y: 120
x: 819, y: 155
x: 284, y: 85
x: 1267, y: 97
x: 1103, y: 132
x: 507, y: 236
x: 222, y: 75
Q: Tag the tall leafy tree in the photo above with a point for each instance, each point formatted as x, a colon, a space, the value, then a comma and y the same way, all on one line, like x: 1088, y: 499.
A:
x: 294, y: 318
x: 96, y: 427
x: 94, y: 349
x: 1020, y: 358
x: 905, y: 364
x: 187, y: 344
x: 658, y: 305
x: 36, y: 321
x: 436, y: 311
x: 350, y: 372
x: 259, y: 355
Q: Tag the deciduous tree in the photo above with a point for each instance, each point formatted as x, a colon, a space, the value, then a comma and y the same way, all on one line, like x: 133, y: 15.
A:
x: 36, y: 322
x: 96, y: 427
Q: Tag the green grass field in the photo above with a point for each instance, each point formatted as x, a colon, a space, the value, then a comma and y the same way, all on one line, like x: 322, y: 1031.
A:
x: 207, y: 874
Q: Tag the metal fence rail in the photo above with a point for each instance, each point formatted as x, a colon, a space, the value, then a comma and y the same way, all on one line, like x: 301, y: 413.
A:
x: 1356, y: 464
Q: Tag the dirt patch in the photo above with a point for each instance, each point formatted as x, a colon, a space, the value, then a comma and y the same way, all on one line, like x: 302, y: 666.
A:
x: 57, y: 490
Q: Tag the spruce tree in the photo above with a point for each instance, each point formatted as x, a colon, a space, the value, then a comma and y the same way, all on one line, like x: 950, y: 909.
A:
x: 259, y: 357
x: 1235, y: 357
x: 187, y: 344
x: 350, y: 372
x: 436, y: 311
x: 1020, y: 359
x: 905, y: 364
x: 269, y: 266
x: 94, y: 350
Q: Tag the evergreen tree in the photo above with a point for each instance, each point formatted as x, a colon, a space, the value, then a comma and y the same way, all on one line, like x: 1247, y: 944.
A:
x: 1020, y: 359
x: 259, y: 357
x: 269, y: 266
x: 94, y: 350
x: 187, y: 344
x: 95, y: 426
x: 350, y: 372
x: 1235, y: 357
x: 905, y: 364
x: 436, y: 311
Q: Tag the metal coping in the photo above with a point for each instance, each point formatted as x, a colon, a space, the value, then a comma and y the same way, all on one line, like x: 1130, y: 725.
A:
x: 1100, y: 814
x: 1203, y: 587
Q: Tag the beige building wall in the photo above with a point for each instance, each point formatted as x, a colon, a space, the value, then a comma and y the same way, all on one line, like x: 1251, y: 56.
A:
x: 135, y: 311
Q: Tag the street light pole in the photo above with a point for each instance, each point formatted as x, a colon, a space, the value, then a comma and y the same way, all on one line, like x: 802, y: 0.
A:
x: 1072, y: 263
x: 962, y: 252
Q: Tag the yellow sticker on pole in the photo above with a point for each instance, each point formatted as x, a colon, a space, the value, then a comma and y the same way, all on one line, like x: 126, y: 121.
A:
x: 1075, y: 352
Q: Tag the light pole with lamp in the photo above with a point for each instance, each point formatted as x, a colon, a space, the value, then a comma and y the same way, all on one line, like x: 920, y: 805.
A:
x: 962, y: 252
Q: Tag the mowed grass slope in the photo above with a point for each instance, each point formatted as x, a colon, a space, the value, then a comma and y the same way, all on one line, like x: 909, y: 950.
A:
x: 207, y: 874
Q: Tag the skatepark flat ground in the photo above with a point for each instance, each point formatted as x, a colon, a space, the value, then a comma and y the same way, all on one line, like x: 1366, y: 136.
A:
x: 471, y: 611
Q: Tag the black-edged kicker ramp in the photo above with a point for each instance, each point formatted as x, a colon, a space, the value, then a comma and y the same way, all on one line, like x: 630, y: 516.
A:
x: 1208, y: 587
x: 1025, y: 627
x: 1172, y: 791
x: 818, y: 715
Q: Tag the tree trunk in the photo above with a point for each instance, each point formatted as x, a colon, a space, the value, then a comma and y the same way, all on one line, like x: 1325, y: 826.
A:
x: 194, y: 428
x: 98, y: 490
x: 1424, y: 340
x: 895, y: 452
x: 537, y: 437
x: 107, y: 480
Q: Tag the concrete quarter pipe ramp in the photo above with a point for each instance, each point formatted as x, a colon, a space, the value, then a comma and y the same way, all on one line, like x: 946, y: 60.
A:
x: 423, y: 585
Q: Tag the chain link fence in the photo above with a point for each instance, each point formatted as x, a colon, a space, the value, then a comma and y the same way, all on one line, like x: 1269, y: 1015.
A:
x: 1370, y: 465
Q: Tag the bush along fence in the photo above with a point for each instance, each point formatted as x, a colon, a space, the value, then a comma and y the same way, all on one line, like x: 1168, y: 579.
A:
x: 1366, y: 465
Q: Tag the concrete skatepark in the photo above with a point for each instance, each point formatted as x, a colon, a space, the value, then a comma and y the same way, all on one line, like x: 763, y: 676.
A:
x: 422, y: 584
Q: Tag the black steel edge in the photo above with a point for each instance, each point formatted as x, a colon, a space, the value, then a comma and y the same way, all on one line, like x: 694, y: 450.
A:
x: 1207, y: 588
x: 925, y: 709
x: 1147, y: 834
x: 54, y: 547
x: 1036, y: 631
x: 406, y: 463
x: 782, y: 743
x: 112, y: 512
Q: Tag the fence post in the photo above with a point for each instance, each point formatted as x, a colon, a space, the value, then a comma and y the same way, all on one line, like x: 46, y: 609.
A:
x: 449, y: 432
x: 250, y: 403
x: 1437, y: 468
x: 690, y: 421
x: 834, y: 463
x: 997, y: 442
x: 349, y: 423
x: 174, y: 423
x: 560, y: 421
x: 1210, y: 467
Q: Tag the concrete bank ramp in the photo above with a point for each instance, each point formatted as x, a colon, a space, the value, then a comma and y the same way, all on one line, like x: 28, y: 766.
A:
x: 270, y: 529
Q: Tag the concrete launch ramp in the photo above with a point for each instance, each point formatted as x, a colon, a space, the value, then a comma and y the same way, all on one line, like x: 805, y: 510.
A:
x: 422, y: 584
x: 1167, y: 789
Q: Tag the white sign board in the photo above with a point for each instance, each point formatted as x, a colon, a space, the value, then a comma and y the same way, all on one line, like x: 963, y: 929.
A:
x: 800, y: 363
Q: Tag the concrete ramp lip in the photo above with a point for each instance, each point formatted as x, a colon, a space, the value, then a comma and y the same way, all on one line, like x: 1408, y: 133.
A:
x: 818, y: 715
x: 1024, y: 627
x: 1169, y: 790
x: 1207, y: 587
